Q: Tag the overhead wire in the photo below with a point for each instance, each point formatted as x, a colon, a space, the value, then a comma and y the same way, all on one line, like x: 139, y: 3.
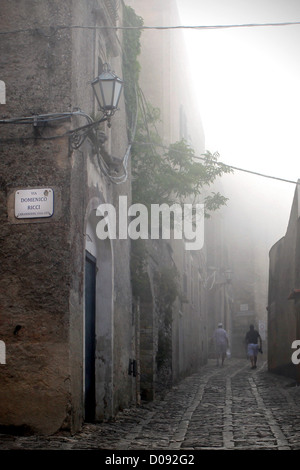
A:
x: 56, y: 28
x: 232, y: 167
x: 144, y: 105
x: 141, y: 103
x: 122, y: 178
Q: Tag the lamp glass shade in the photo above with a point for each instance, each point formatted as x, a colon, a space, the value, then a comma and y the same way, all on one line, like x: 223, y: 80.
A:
x: 117, y: 92
x: 107, y: 88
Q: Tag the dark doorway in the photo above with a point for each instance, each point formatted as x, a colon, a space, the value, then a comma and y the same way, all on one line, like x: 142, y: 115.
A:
x: 90, y: 306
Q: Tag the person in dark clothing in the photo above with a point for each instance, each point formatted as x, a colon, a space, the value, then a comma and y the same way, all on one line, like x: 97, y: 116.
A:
x: 252, y: 338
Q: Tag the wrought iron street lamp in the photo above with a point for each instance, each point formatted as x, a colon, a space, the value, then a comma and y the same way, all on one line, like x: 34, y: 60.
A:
x: 107, y: 88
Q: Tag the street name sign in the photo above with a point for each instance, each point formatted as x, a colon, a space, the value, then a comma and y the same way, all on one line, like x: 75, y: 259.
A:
x: 33, y: 203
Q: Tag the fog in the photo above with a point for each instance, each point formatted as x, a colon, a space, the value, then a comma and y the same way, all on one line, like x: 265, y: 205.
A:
x: 246, y: 82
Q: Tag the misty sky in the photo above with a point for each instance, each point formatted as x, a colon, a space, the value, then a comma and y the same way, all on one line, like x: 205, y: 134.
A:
x: 248, y: 82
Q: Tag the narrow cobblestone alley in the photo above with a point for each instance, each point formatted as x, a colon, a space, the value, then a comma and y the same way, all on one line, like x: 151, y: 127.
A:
x: 219, y: 408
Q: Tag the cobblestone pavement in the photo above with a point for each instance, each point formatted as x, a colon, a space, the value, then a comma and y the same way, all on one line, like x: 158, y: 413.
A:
x: 220, y: 408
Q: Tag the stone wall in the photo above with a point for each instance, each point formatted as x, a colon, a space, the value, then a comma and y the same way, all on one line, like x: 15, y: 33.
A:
x: 283, y: 327
x: 163, y: 79
x: 48, y: 69
x: 35, y: 253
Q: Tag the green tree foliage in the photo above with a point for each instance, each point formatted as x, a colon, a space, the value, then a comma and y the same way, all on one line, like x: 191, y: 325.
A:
x: 174, y: 174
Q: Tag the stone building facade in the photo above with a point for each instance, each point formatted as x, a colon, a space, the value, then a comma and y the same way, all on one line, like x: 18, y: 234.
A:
x: 283, y: 299
x: 66, y: 307
x: 176, y: 342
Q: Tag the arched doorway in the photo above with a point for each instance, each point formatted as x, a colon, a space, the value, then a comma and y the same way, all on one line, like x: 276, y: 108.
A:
x: 90, y: 337
x: 146, y: 341
x: 98, y: 323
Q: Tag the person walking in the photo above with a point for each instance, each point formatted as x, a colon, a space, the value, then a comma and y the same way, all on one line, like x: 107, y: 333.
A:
x: 221, y: 343
x: 252, y: 338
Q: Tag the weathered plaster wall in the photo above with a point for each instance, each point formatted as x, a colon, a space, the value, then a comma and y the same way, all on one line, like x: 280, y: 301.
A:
x: 42, y: 260
x: 282, y: 312
x: 163, y: 79
x: 35, y: 254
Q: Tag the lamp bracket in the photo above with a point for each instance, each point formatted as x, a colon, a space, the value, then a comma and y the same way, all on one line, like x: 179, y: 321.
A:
x: 79, y: 135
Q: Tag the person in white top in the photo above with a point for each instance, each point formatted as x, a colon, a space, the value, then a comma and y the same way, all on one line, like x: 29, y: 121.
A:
x: 221, y: 343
